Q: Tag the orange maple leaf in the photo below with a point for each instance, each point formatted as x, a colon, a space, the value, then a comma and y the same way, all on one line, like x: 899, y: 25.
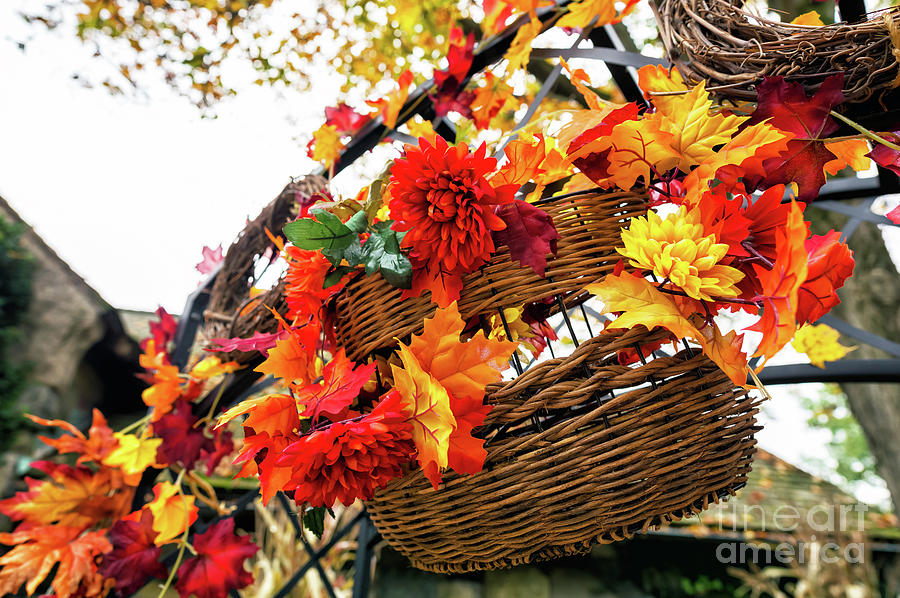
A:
x: 70, y: 496
x: 94, y: 447
x: 489, y: 100
x: 293, y: 358
x: 37, y: 550
x: 781, y: 284
x: 849, y: 152
x: 524, y: 154
x: 272, y: 414
x: 463, y: 368
x: 389, y: 106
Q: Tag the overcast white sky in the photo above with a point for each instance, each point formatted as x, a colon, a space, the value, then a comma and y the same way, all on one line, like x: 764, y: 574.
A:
x: 128, y: 191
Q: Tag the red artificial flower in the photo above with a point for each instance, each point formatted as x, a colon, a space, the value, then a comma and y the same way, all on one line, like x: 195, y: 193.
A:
x: 350, y: 459
x: 441, y: 198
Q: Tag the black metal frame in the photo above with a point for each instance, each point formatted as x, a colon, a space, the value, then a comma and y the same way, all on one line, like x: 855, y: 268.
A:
x: 607, y: 47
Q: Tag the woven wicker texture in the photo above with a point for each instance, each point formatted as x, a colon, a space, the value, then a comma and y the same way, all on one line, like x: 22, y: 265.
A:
x: 580, y: 450
x: 370, y: 313
x: 732, y: 49
x: 231, y: 311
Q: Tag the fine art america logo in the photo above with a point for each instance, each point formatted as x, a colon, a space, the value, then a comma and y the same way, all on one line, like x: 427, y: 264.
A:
x: 827, y: 533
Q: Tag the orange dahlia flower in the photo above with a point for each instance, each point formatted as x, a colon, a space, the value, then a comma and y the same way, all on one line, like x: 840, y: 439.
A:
x: 441, y: 197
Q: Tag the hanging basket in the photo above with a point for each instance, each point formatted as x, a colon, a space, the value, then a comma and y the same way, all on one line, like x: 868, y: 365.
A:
x: 581, y: 450
x: 370, y: 313
x: 719, y: 42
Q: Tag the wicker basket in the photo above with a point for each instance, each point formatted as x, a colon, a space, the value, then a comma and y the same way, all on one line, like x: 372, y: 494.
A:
x: 370, y: 313
x: 580, y: 450
x: 732, y: 49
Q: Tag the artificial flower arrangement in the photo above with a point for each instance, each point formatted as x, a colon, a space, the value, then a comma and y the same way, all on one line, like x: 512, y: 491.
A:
x: 337, y: 430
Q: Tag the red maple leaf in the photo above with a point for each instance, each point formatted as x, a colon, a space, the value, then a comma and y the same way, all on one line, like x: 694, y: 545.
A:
x: 162, y: 331
x: 448, y: 95
x: 345, y: 119
x: 894, y: 215
x: 260, y: 341
x: 529, y: 234
x: 222, y: 446
x: 466, y: 454
x: 785, y: 106
x: 830, y: 264
x: 134, y: 558
x: 887, y: 157
x: 181, y: 441
x: 218, y: 566
x: 340, y: 386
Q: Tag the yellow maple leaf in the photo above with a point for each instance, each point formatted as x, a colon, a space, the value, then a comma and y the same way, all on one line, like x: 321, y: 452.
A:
x: 849, y: 152
x: 695, y: 130
x: 327, y: 145
x: 173, y: 512
x: 212, y: 366
x: 490, y: 99
x: 419, y: 127
x: 427, y: 404
x: 133, y: 455
x: 660, y: 85
x: 637, y: 148
x: 810, y: 18
x: 582, y: 13
x: 520, y: 49
x: 820, y: 343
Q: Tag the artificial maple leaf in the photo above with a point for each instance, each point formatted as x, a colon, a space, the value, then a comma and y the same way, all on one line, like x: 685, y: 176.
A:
x: 725, y: 351
x: 820, y: 344
x: 885, y: 156
x: 344, y: 119
x: 448, y: 95
x: 524, y: 157
x: 162, y: 332
x: 849, y: 152
x: 37, y: 550
x: 465, y: 454
x: 134, y: 558
x: 260, y: 341
x: 182, y: 441
x: 340, y: 386
x: 218, y: 567
x: 173, y: 512
x: 211, y: 259
x: 696, y: 131
x: 894, y: 215
x: 273, y: 414
x: 222, y: 446
x: 496, y: 13
x: 529, y: 234
x: 809, y: 19
x: 743, y: 156
x: 830, y: 263
x: 210, y: 367
x: 325, y: 146
x: 133, y: 455
x: 661, y: 85
x: 259, y: 455
x: 93, y: 447
x: 582, y: 83
x: 520, y: 49
x: 291, y: 359
x: 781, y: 283
x: 70, y: 496
x: 641, y: 303
x: 389, y: 106
x: 488, y: 101
x: 785, y: 105
x: 427, y: 405
x: 581, y: 13
x: 463, y: 368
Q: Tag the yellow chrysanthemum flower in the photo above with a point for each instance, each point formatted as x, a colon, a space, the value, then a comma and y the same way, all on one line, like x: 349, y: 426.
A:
x: 676, y: 249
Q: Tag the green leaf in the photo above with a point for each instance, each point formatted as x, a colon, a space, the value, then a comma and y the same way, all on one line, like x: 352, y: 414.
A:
x: 314, y: 520
x: 381, y: 252
x: 335, y: 275
x: 326, y: 232
x: 358, y: 222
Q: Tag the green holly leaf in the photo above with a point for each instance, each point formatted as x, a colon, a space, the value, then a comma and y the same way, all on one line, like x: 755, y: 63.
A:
x: 326, y: 232
x: 335, y: 275
x: 314, y: 520
x: 358, y: 222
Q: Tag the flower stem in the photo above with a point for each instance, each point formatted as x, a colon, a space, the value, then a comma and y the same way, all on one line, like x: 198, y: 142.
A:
x: 134, y: 425
x: 873, y: 136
